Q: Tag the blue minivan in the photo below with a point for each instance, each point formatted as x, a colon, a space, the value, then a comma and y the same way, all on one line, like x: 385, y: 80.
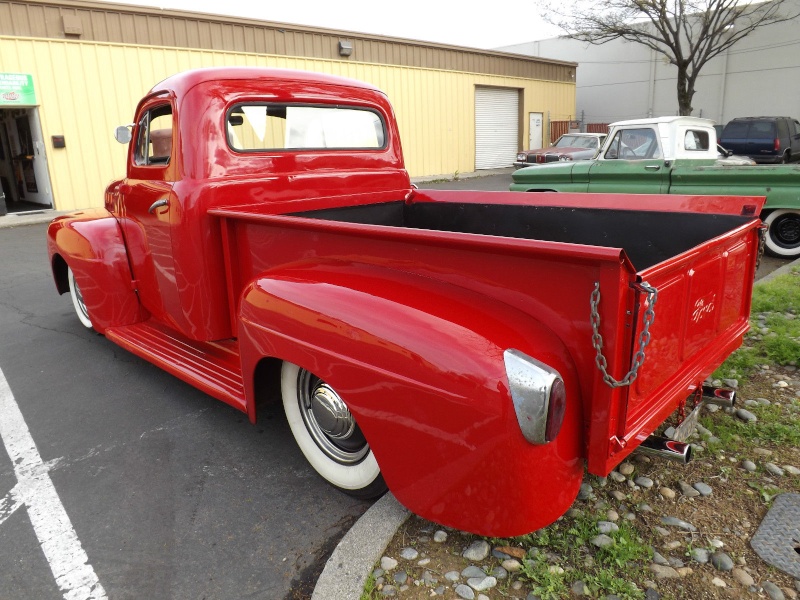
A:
x: 764, y: 139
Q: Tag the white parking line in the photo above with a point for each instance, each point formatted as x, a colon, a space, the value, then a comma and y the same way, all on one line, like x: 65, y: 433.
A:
x: 69, y: 563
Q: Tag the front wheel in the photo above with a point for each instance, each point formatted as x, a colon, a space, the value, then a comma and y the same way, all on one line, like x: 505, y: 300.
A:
x: 783, y: 237
x: 328, y: 435
x: 77, y: 300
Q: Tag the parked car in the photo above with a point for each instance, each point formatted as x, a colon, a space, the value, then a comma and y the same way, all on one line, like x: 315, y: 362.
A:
x: 764, y: 139
x: 570, y: 146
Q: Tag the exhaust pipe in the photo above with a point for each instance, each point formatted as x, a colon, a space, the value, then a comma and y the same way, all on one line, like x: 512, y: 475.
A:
x: 661, y: 447
x: 721, y: 396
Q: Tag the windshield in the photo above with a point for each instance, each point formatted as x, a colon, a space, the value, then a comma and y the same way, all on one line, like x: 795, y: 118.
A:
x: 577, y: 141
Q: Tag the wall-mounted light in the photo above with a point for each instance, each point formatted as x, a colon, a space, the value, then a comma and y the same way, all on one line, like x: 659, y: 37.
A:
x: 345, y: 48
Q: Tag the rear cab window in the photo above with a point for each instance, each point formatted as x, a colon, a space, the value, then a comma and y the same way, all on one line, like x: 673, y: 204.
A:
x: 259, y: 127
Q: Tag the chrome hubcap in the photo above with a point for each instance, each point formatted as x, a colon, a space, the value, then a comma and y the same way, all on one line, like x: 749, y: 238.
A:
x: 329, y: 421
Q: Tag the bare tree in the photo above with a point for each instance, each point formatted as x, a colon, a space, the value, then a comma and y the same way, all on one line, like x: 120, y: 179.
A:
x: 689, y: 33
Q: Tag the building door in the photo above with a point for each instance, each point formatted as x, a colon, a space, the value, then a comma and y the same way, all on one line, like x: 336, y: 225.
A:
x: 536, y: 130
x: 23, y: 161
x: 497, y: 135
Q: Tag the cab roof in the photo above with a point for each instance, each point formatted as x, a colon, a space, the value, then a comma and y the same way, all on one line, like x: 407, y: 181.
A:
x: 181, y: 82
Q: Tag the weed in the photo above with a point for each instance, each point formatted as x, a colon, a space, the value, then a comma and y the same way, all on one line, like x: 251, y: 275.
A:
x: 548, y: 582
x: 369, y: 592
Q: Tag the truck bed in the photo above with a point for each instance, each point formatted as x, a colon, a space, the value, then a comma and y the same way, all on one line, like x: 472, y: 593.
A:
x: 544, y: 255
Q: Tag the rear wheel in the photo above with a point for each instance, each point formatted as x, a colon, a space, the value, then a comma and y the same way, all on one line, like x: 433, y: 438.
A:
x: 77, y: 300
x: 783, y: 237
x: 328, y: 435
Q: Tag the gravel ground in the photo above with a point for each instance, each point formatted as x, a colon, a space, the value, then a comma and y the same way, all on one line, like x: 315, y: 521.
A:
x: 696, y: 521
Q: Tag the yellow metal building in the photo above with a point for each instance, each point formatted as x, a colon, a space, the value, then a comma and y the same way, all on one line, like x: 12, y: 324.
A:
x: 71, y: 71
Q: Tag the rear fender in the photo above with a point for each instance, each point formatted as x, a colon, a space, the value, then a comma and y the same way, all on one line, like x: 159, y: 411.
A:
x: 90, y: 243
x: 420, y: 364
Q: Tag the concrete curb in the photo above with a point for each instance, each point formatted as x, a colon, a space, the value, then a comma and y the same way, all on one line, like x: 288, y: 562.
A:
x: 30, y: 218
x: 347, y: 569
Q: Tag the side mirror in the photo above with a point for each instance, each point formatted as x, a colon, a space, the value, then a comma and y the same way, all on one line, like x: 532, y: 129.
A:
x: 123, y: 134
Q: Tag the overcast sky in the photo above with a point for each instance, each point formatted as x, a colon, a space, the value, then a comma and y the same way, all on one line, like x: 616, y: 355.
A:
x: 487, y: 24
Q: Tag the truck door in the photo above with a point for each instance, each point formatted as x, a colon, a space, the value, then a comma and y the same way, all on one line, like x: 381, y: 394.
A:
x: 146, y: 201
x: 632, y: 163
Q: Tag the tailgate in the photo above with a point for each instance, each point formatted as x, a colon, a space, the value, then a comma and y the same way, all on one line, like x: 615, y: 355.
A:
x: 701, y: 312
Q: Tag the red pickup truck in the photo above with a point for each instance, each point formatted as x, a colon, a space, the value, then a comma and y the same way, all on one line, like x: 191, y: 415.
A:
x: 471, y: 351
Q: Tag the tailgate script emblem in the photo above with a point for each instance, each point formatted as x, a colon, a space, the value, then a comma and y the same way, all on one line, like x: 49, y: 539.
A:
x: 703, y: 306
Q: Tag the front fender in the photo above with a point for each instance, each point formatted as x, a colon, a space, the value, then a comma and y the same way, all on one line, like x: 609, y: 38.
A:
x: 90, y: 243
x: 420, y: 364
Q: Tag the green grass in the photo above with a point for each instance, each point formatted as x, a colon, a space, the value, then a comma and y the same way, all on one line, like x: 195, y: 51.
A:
x: 776, y: 298
x: 607, y: 570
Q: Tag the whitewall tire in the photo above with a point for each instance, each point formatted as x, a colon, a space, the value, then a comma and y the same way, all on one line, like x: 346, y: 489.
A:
x: 783, y: 237
x: 77, y: 300
x: 328, y: 435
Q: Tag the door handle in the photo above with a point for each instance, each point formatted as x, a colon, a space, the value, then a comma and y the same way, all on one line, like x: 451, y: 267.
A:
x: 157, y: 204
x: 652, y: 167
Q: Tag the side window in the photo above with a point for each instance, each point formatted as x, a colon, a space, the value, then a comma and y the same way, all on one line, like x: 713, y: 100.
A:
x: 154, y: 141
x: 634, y: 144
x: 696, y: 140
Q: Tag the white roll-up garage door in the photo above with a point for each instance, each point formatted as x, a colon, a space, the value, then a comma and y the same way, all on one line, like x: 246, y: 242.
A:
x: 496, y: 127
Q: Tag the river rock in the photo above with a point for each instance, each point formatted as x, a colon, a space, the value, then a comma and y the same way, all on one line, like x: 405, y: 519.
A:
x: 688, y: 490
x: 481, y: 584
x: 667, y: 493
x: 721, y: 561
x: 607, y: 527
x: 703, y: 488
x: 602, y: 540
x: 387, y: 563
x: 700, y: 555
x: 409, y: 554
x: 644, y: 482
x: 749, y: 466
x: 477, y: 551
x: 664, y: 572
x: 675, y: 522
x: 626, y: 468
x: 773, y: 591
x: 440, y: 537
x: 742, y: 577
x: 746, y: 416
x: 472, y: 571
x: 465, y: 592
x: 774, y: 469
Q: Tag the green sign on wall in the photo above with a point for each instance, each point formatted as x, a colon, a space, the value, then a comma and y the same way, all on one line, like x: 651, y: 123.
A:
x: 17, y: 89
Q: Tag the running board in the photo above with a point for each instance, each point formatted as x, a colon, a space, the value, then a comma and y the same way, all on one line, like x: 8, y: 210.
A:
x: 212, y: 367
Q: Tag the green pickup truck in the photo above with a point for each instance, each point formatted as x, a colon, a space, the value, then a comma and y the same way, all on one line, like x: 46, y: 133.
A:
x: 677, y: 155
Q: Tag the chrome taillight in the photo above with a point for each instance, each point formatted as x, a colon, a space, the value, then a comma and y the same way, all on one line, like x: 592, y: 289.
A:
x: 538, y: 394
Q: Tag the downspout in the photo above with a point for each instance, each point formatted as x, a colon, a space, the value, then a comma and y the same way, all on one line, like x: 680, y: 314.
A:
x: 651, y: 86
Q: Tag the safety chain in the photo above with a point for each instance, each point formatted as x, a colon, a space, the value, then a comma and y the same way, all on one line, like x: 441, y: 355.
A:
x: 644, y: 336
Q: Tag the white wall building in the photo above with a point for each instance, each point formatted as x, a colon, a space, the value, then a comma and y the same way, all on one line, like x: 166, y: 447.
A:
x: 621, y: 80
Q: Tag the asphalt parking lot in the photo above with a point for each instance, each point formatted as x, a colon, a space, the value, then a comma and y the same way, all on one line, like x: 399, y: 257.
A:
x: 120, y: 481
x: 112, y: 464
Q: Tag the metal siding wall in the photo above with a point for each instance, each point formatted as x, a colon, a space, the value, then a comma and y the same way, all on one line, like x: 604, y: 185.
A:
x: 86, y: 89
